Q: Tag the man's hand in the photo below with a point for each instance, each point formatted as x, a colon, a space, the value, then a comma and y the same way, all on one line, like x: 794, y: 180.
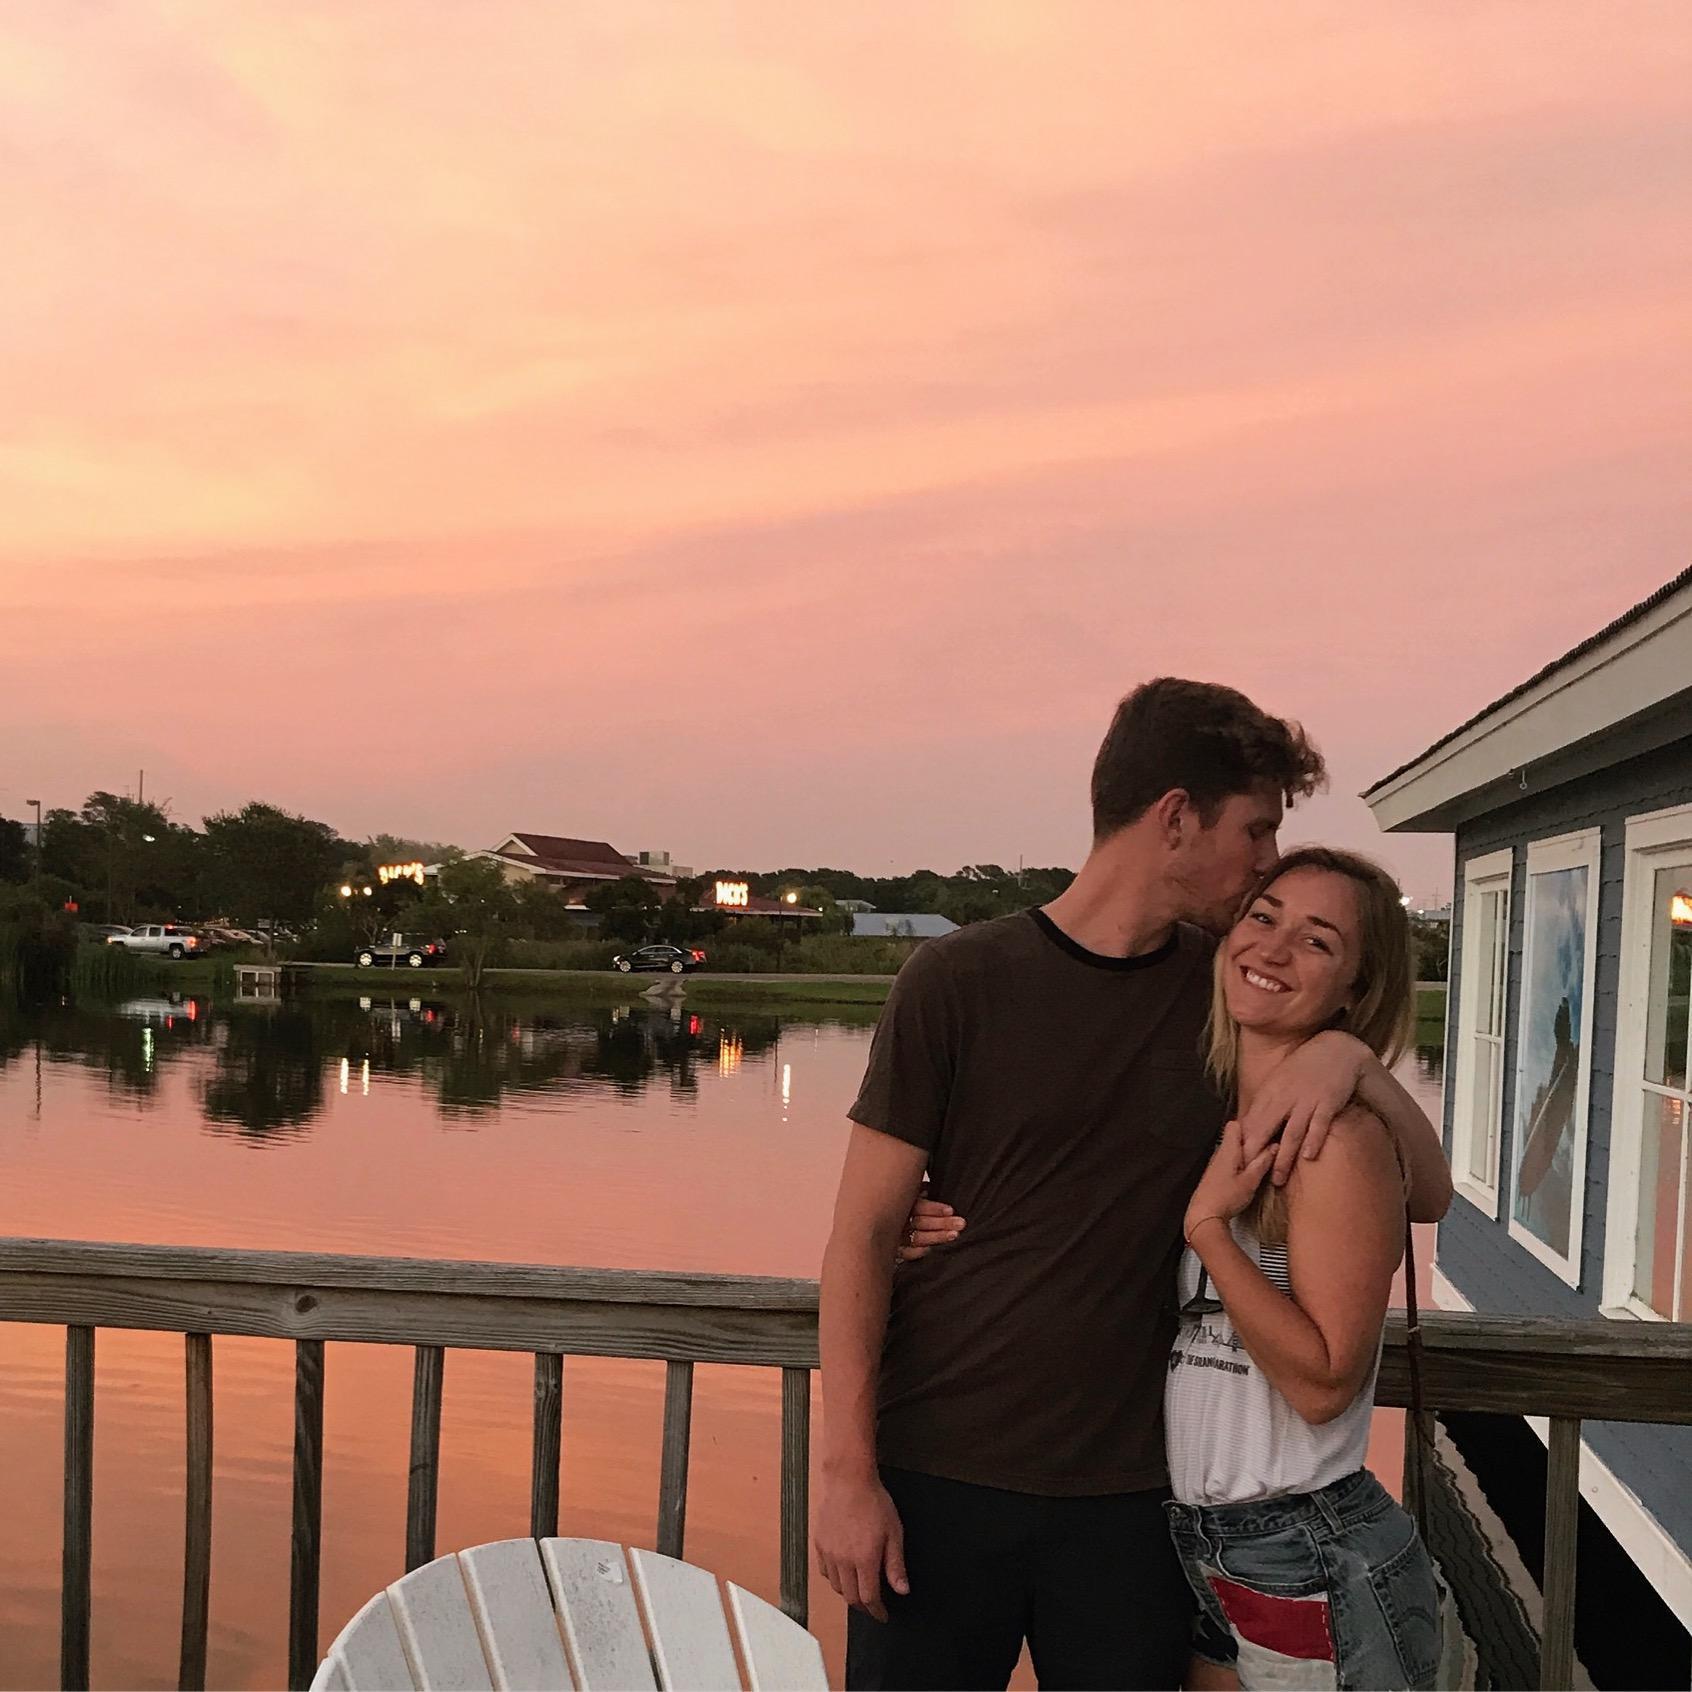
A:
x: 929, y: 1224
x: 858, y: 1538
x: 1301, y: 1098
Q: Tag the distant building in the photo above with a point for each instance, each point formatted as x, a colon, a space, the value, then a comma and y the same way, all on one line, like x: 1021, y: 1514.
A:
x: 895, y: 925
x: 573, y: 866
x: 661, y: 863
x: 854, y: 905
x: 1568, y: 1096
x: 736, y: 899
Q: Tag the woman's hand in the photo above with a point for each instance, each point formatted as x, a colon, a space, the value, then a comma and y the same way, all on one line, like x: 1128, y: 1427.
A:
x: 1302, y: 1095
x: 1229, y: 1182
x: 929, y: 1224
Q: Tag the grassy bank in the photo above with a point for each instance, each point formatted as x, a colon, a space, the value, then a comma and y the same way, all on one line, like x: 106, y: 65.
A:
x: 604, y: 987
x: 1430, y: 1014
x: 586, y: 987
x: 713, y: 990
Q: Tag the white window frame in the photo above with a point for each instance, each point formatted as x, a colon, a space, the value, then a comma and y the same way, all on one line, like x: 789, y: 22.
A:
x: 1490, y: 873
x: 1566, y: 851
x: 1651, y: 839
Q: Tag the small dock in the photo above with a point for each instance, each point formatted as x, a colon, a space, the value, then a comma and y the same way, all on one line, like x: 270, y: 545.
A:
x: 259, y: 983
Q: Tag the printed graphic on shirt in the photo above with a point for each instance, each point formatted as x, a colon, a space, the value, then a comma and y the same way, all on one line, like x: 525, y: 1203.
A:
x: 1209, y: 1342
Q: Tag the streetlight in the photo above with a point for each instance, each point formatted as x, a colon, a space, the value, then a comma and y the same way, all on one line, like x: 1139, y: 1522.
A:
x: 39, y: 842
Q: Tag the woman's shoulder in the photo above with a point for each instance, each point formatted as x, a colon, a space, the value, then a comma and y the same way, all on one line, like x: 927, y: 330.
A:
x: 1358, y: 1126
x: 1359, y: 1149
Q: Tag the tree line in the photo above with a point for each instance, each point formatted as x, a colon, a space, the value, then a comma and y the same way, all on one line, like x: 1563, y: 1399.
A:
x: 122, y: 860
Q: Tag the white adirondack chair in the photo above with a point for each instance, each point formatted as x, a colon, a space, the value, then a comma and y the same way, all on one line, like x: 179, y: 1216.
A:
x: 559, y: 1615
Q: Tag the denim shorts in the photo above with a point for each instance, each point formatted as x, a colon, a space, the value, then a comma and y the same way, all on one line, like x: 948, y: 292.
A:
x: 1332, y: 1588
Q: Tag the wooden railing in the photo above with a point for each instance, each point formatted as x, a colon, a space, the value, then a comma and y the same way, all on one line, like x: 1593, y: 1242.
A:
x: 431, y: 1306
x: 1568, y: 1371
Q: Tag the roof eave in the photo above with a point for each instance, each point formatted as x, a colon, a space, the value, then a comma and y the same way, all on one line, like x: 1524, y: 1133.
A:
x: 1555, y: 729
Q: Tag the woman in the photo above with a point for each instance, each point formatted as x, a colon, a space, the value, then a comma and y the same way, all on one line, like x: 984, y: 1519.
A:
x: 1306, y: 1572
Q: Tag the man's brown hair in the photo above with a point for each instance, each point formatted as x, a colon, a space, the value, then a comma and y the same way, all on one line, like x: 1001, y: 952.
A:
x: 1210, y: 741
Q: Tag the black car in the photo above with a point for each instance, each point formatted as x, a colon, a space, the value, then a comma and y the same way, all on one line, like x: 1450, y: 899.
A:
x: 677, y: 960
x: 397, y: 949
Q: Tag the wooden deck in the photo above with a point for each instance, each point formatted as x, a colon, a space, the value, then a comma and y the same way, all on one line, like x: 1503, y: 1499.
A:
x: 1568, y: 1371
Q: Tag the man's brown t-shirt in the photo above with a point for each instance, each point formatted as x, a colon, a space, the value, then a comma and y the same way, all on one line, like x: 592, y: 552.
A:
x: 1062, y: 1100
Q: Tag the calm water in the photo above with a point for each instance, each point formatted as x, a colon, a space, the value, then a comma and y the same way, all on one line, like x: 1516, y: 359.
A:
x: 394, y: 1125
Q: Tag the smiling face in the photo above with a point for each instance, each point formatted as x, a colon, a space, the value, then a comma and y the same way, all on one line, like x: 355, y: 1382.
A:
x: 1292, y: 960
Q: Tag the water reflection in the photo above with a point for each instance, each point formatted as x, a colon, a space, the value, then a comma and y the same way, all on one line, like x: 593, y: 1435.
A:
x: 268, y: 1074
x: 262, y: 1071
x: 642, y: 1137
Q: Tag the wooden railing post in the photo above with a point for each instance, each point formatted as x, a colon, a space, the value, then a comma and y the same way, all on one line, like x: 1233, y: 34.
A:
x: 306, y: 1549
x: 79, y: 1508
x: 196, y: 1545
x: 547, y: 1445
x: 1562, y: 1522
x: 672, y: 1468
x: 796, y: 1493
x: 423, y: 1476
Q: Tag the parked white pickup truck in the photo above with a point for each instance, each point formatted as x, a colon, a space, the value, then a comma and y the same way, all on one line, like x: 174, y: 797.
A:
x: 162, y: 939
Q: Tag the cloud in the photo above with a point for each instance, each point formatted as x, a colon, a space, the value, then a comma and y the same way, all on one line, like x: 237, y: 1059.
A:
x: 794, y: 428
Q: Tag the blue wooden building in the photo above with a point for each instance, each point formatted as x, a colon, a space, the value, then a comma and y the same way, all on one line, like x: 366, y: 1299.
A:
x: 1568, y: 1103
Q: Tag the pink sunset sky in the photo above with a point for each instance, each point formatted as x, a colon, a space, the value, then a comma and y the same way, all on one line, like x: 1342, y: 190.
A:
x: 779, y: 432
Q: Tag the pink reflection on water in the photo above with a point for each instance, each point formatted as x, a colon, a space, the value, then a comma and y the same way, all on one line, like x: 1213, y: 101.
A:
x: 564, y: 1174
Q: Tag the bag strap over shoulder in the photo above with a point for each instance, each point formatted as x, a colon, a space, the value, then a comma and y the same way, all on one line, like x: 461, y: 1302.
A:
x: 1415, y: 1432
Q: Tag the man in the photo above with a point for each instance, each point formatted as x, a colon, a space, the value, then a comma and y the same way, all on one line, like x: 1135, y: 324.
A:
x: 993, y: 1464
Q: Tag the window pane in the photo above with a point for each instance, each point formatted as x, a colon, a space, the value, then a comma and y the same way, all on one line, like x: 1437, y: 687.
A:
x: 1495, y: 1118
x: 1684, y: 1310
x: 1671, y: 977
x: 1548, y: 1185
x: 1499, y: 914
x: 1484, y: 1119
x: 1478, y: 1108
x: 1659, y: 1201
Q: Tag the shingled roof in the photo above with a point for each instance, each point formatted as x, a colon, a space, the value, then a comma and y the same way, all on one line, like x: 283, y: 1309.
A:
x: 592, y: 860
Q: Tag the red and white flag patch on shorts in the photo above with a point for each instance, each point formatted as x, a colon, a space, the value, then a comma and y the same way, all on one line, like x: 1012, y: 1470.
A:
x: 1283, y: 1642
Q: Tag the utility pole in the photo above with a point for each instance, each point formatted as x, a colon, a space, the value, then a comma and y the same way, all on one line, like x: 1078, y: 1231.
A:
x: 40, y: 842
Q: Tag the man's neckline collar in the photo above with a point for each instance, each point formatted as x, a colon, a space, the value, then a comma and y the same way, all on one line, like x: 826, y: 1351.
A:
x: 1101, y: 960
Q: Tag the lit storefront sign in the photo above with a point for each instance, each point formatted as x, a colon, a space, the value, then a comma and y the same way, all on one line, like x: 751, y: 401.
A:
x: 734, y: 893
x: 400, y: 872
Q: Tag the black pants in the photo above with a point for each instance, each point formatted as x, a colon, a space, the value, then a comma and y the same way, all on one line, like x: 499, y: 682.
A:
x: 1093, y: 1585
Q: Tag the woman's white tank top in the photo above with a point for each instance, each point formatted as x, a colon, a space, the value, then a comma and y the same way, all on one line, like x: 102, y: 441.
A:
x: 1232, y: 1436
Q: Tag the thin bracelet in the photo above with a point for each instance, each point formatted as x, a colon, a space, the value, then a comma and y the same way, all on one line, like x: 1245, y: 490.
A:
x: 1188, y: 1235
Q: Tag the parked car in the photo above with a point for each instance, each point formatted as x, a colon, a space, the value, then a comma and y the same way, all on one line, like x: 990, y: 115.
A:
x: 160, y: 939
x: 100, y: 932
x: 397, y: 949
x: 220, y: 935
x: 678, y: 960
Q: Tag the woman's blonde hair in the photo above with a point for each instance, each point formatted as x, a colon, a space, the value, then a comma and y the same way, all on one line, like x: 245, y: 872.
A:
x: 1381, y: 1015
